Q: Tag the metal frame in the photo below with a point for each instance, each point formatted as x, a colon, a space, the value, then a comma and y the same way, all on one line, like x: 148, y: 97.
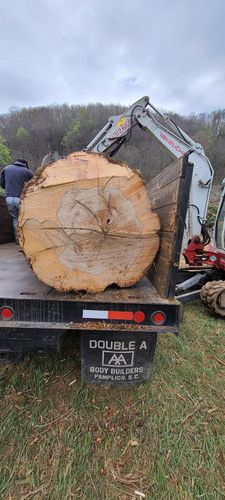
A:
x: 67, y: 315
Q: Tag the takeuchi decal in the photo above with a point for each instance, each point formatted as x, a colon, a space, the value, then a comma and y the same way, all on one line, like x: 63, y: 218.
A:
x: 172, y: 143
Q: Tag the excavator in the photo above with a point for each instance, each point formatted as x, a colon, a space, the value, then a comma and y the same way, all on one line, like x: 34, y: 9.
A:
x: 203, y: 255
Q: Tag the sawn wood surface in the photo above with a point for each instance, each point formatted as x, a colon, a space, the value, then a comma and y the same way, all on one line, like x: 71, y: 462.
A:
x: 86, y: 222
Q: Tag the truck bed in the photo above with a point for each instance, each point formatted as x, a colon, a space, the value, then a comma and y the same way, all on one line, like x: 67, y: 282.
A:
x: 28, y: 303
x: 118, y: 327
x: 17, y: 281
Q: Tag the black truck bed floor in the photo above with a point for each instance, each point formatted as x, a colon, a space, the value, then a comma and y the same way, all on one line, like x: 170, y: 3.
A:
x: 17, y: 281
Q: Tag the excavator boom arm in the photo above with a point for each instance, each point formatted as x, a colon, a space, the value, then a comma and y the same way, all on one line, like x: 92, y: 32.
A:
x: 118, y: 131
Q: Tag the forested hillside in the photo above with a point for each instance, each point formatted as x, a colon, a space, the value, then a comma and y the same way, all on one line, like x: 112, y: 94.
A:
x: 32, y: 132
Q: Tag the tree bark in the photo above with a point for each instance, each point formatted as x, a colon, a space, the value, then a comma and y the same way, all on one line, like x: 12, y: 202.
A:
x: 86, y: 222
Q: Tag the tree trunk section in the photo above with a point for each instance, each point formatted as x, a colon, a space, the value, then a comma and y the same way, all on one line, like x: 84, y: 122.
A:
x: 86, y: 222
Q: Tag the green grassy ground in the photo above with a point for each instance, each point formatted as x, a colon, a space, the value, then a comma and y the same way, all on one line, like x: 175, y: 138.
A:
x: 165, y: 439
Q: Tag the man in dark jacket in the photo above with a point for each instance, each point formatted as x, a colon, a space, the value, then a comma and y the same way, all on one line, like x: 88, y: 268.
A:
x: 13, y: 178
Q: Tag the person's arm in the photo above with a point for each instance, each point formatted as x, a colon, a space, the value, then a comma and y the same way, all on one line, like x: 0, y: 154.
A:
x: 30, y: 174
x: 2, y: 181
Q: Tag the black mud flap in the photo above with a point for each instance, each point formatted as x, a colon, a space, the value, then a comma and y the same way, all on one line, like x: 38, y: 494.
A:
x: 117, y: 358
x: 15, y: 342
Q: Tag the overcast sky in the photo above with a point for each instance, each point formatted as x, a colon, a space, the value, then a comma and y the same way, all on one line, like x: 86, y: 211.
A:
x: 82, y: 51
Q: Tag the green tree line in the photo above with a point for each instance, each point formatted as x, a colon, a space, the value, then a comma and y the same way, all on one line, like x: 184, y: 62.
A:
x: 33, y: 132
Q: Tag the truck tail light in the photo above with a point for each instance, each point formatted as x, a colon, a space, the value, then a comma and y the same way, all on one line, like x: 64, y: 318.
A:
x: 158, y: 318
x: 6, y: 313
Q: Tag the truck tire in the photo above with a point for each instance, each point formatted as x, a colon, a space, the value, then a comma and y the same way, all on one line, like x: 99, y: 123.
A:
x: 212, y: 294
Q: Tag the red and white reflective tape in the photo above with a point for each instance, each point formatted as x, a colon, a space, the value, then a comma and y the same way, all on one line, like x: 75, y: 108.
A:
x: 137, y: 316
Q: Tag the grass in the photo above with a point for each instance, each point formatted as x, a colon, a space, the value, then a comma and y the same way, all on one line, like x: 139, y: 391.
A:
x: 211, y: 215
x: 165, y: 439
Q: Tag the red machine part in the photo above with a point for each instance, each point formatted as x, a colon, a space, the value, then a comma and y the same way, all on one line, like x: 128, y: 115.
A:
x: 196, y: 254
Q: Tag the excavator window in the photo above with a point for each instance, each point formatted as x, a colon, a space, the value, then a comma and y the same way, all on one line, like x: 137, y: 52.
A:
x: 220, y: 227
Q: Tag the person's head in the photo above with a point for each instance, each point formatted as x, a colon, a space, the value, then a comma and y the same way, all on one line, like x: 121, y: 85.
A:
x: 22, y: 162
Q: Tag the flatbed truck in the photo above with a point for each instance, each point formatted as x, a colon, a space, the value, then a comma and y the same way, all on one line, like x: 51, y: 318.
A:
x: 119, y: 327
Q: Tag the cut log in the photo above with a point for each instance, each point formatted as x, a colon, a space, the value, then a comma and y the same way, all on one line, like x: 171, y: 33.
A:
x: 86, y: 222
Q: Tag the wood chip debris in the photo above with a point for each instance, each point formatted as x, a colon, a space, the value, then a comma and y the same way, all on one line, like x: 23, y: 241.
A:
x: 139, y: 493
x: 220, y: 361
x: 73, y: 381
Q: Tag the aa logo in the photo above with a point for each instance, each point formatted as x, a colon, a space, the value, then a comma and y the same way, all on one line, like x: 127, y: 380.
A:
x: 112, y: 358
x: 117, y: 359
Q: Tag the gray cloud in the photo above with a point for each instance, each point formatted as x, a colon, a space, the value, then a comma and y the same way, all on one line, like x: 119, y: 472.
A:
x: 115, y: 51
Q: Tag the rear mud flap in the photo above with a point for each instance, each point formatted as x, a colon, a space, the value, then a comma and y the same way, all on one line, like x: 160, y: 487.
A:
x: 117, y: 358
x: 15, y: 342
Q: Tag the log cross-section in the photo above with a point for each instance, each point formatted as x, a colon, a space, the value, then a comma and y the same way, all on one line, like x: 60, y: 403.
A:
x: 86, y: 222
